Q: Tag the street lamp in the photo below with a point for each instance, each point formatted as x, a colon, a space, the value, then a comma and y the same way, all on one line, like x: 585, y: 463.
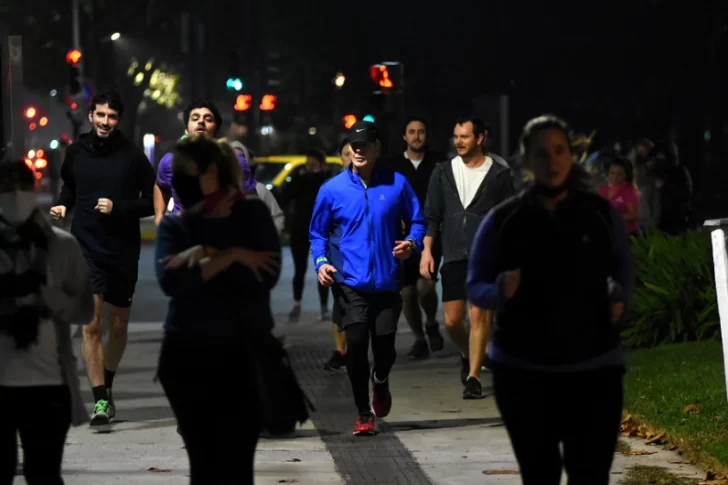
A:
x: 115, y: 36
x: 339, y: 80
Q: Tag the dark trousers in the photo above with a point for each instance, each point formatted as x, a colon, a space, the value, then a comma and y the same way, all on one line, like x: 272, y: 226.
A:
x: 533, y: 405
x: 301, y: 252
x: 365, y: 317
x: 41, y: 415
x: 197, y: 375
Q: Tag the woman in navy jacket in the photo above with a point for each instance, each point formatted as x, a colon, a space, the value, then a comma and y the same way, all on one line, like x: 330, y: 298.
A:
x: 554, y: 265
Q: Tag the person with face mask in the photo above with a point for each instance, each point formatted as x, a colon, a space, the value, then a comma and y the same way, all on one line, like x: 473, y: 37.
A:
x: 554, y: 264
x: 44, y: 288
x: 218, y: 274
x: 254, y: 189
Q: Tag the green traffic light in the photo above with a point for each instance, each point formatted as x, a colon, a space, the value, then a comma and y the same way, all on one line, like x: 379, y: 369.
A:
x: 368, y: 118
x: 234, y: 84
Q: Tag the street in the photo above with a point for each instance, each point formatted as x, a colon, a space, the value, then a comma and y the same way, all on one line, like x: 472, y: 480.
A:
x: 432, y: 436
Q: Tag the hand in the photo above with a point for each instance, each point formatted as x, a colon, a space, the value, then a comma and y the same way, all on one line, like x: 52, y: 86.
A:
x: 427, y: 265
x: 325, y: 274
x: 512, y: 280
x: 188, y: 257
x: 269, y: 261
x: 58, y: 212
x: 105, y: 206
x: 617, y: 311
x: 402, y: 249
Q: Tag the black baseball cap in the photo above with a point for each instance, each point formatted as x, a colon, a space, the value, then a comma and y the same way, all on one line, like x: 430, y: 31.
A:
x: 363, y: 132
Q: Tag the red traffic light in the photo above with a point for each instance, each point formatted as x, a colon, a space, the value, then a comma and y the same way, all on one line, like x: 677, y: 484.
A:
x: 380, y: 75
x: 268, y: 103
x: 73, y: 57
x: 32, y: 126
x: 243, y: 102
x: 349, y: 121
x: 30, y: 112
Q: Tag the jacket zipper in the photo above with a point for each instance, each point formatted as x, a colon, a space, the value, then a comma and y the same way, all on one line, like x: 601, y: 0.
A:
x: 371, y: 240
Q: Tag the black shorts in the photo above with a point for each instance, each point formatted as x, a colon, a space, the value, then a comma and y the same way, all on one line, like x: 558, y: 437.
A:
x: 454, y: 275
x: 116, y: 282
x: 380, y: 310
x: 410, y: 267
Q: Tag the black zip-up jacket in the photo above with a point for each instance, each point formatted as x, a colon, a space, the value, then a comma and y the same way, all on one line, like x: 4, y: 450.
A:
x: 302, y: 192
x: 419, y: 178
x: 114, y: 169
x: 445, y: 213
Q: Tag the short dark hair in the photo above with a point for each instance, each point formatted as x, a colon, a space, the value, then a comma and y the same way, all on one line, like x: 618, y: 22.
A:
x: 203, y: 152
x: 413, y: 118
x: 203, y: 104
x: 109, y: 97
x: 626, y: 166
x: 479, y: 126
x: 317, y: 154
x: 343, y: 144
x: 15, y: 174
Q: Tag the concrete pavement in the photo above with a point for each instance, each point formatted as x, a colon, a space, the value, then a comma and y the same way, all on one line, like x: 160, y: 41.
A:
x: 432, y: 436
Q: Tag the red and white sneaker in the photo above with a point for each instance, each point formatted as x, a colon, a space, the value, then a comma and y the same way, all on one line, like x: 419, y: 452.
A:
x: 381, y: 399
x: 364, y: 425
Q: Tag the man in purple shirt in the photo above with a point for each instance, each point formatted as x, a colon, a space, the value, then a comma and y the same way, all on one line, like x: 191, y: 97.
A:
x: 201, y: 118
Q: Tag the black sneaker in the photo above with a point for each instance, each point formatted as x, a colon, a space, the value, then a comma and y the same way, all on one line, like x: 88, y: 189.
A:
x: 336, y: 362
x: 295, y: 314
x: 487, y: 363
x: 473, y: 389
x: 435, y: 337
x: 419, y: 350
x: 464, y: 369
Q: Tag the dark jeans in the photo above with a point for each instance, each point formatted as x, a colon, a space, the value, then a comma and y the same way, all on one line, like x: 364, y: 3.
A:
x: 42, y: 416
x: 301, y: 252
x: 534, y: 405
x: 198, y: 375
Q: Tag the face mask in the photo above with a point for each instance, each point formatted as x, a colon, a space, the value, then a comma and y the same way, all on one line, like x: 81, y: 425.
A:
x: 188, y: 189
x: 17, y: 207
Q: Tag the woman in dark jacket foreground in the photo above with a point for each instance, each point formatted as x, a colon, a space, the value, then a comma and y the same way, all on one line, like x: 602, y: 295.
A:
x: 217, y: 261
x: 554, y: 265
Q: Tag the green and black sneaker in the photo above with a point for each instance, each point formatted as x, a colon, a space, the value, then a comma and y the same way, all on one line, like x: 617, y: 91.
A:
x: 111, y: 410
x: 100, y: 417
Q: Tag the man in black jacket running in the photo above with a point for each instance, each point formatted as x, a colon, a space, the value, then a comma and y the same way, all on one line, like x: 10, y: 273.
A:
x: 460, y: 194
x: 108, y: 183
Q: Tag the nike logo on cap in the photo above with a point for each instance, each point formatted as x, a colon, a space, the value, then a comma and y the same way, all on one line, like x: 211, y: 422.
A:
x: 359, y: 131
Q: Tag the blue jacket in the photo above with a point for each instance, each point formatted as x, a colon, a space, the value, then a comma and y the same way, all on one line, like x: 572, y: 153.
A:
x: 354, y: 228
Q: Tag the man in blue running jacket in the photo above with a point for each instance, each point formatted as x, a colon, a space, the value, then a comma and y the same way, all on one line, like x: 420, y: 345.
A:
x: 355, y: 232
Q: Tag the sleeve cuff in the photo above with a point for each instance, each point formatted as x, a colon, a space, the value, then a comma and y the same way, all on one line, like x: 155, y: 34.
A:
x: 320, y: 262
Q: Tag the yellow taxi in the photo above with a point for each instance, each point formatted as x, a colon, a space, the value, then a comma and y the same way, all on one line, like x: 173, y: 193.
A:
x: 277, y: 171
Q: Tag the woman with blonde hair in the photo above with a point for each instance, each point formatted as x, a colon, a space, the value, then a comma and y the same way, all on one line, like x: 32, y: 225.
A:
x: 218, y: 274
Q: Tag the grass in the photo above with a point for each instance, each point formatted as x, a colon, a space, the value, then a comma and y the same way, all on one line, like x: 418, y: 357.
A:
x: 662, y: 381
x: 648, y: 475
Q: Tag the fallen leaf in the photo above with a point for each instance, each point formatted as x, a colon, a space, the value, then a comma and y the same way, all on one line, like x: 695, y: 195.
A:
x: 657, y: 439
x: 294, y: 460
x: 501, y: 472
x: 640, y: 452
x: 691, y: 409
x: 154, y: 469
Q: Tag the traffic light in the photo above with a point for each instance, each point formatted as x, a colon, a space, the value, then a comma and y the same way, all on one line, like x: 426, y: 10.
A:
x: 243, y: 102
x: 73, y: 58
x: 388, y: 76
x: 349, y: 121
x: 368, y: 118
x: 234, y: 84
x: 30, y: 112
x: 268, y: 103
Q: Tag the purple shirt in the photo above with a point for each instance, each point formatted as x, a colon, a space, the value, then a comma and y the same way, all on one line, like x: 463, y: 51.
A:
x: 164, y: 177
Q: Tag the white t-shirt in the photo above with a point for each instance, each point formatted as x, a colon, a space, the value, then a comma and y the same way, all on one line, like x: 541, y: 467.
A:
x: 415, y: 163
x: 468, y: 180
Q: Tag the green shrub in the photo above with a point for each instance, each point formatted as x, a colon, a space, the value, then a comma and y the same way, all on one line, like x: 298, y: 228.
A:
x: 674, y: 298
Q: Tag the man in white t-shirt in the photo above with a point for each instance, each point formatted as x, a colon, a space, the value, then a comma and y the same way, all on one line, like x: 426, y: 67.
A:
x: 459, y: 196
